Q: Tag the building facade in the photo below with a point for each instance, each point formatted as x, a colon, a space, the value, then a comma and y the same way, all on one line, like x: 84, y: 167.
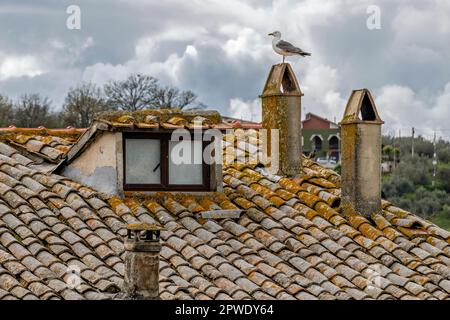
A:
x: 321, y: 137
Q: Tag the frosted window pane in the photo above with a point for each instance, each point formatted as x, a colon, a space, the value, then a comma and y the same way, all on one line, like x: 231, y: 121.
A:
x: 143, y: 161
x: 185, y: 162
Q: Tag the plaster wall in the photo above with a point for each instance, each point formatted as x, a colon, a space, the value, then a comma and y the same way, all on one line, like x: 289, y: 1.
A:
x: 96, y: 166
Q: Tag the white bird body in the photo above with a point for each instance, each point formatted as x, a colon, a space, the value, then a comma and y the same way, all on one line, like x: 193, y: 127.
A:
x: 281, y: 52
x: 284, y: 48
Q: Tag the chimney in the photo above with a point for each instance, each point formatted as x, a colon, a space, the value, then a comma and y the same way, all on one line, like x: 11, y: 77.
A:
x: 142, y: 248
x: 281, y: 109
x: 361, y: 155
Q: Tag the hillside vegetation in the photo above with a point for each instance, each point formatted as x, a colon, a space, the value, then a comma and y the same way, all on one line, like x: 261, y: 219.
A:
x: 412, y: 184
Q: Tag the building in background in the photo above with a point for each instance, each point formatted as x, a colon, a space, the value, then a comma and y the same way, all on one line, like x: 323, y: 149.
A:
x: 321, y: 137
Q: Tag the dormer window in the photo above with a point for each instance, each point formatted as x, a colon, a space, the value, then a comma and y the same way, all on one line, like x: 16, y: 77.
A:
x: 149, y: 151
x: 154, y: 162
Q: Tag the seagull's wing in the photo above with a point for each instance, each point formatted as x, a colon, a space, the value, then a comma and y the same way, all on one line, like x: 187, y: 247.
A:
x: 286, y: 46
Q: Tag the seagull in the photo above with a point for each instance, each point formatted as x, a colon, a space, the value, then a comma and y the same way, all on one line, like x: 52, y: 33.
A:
x: 284, y: 48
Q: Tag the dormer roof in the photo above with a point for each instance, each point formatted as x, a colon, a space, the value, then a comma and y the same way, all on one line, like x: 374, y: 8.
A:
x: 161, y: 118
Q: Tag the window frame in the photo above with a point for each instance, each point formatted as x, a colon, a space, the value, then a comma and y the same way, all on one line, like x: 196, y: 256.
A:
x: 164, y: 138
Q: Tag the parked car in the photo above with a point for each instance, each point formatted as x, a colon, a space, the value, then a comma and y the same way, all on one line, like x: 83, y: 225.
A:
x: 327, y: 163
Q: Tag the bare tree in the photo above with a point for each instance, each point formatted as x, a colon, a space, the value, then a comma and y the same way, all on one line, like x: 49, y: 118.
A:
x: 6, y: 111
x: 33, y: 110
x: 171, y: 97
x: 140, y: 91
x: 81, y: 105
x: 134, y: 93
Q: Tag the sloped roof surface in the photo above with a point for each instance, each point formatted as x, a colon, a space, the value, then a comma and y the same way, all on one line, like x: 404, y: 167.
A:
x: 311, y: 115
x: 290, y: 242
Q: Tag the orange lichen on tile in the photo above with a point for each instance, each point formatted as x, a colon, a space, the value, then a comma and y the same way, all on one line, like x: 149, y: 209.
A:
x: 132, y: 203
x: 310, y: 213
x: 413, y: 233
x: 308, y: 199
x: 398, y: 212
x: 235, y: 173
x: 227, y: 205
x: 277, y: 201
x: 369, y: 231
x: 173, y: 206
x: 325, y: 210
x: 348, y: 230
x: 356, y: 220
x: 114, y: 202
x: 191, y: 204
x: 364, y: 242
x: 380, y: 221
x: 153, y: 206
x: 387, y: 243
x: 253, y: 175
x: 322, y: 183
x: 285, y: 195
x: 63, y: 149
x: 391, y: 233
x: 208, y: 204
x: 266, y: 193
x: 21, y: 138
x: 290, y: 185
x: 244, y: 203
x: 337, y: 220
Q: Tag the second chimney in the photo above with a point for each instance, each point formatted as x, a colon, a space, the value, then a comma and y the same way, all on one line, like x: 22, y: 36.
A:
x: 361, y: 155
x: 142, y: 261
x: 281, y: 109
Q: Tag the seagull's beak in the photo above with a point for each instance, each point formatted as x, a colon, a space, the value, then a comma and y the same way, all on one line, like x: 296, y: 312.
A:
x: 270, y: 34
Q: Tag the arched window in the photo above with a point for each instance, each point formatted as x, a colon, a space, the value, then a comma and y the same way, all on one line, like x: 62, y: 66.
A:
x: 334, y: 143
x: 317, y: 143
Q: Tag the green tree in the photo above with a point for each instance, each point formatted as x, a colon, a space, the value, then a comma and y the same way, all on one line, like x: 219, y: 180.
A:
x: 443, y: 175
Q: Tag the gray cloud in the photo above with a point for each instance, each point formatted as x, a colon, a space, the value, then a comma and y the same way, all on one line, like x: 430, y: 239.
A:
x: 220, y: 50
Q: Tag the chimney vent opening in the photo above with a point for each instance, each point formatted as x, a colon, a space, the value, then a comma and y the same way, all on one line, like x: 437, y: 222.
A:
x: 287, y: 83
x: 143, y: 232
x: 367, y: 112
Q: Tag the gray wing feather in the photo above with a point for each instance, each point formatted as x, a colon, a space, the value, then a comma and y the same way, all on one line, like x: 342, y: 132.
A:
x: 286, y: 46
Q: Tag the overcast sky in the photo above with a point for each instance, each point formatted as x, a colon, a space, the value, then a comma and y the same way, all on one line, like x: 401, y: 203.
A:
x: 220, y: 50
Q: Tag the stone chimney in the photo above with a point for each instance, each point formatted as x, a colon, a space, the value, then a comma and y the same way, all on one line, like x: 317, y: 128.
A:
x: 361, y: 155
x: 142, y: 248
x: 281, y: 109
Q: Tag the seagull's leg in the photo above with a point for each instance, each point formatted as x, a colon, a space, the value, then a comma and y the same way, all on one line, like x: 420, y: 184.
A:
x: 283, y: 59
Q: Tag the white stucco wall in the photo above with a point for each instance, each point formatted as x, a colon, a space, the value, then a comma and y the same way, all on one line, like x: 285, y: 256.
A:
x: 96, y: 166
